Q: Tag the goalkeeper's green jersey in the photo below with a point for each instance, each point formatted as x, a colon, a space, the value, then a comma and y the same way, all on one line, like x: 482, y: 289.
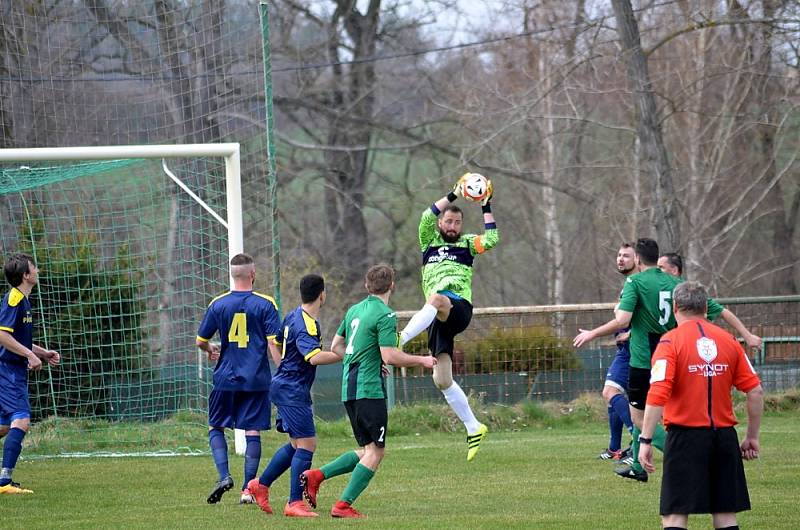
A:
x: 366, y: 327
x: 448, y: 266
x: 648, y: 296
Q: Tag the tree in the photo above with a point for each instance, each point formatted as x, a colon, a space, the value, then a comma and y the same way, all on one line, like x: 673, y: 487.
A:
x: 664, y: 216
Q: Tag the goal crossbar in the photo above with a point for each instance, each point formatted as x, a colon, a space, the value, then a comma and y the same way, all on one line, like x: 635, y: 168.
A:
x: 230, y: 152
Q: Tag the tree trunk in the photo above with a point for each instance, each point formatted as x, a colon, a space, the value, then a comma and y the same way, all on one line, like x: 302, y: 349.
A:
x: 353, y: 94
x: 664, y: 214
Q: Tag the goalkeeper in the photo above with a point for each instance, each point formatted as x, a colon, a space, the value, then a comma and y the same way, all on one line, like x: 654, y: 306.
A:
x: 447, y: 257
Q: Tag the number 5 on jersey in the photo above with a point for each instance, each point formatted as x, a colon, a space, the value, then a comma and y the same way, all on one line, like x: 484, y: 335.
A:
x: 664, y: 306
x: 238, y: 331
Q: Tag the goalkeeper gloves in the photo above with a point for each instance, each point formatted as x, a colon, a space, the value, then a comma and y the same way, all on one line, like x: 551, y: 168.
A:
x: 457, y: 190
x: 485, y: 203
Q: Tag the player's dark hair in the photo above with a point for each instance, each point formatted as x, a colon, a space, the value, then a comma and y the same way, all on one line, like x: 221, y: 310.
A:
x: 242, y: 259
x: 17, y: 266
x: 311, y: 286
x: 674, y: 259
x: 626, y: 245
x: 691, y: 298
x: 379, y: 278
x: 453, y: 208
x: 647, y: 250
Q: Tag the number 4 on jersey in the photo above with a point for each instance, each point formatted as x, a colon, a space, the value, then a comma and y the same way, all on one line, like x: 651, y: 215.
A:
x: 238, y: 331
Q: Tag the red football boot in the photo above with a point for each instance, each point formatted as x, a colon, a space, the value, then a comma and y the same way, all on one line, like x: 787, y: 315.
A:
x: 298, y: 509
x: 345, y: 511
x: 311, y: 481
x: 261, y: 494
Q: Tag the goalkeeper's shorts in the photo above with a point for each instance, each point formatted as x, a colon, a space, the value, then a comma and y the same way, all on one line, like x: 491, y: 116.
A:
x: 441, y: 335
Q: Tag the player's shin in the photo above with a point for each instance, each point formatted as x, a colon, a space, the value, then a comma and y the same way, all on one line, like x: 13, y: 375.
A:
x: 458, y: 401
x: 421, y: 320
x: 300, y: 462
x: 11, y: 450
x: 359, y: 481
x: 219, y: 451
x: 252, y: 457
x: 345, y: 463
x: 280, y: 462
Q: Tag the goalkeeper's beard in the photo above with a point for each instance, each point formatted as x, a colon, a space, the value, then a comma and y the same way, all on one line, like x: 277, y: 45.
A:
x: 450, y: 236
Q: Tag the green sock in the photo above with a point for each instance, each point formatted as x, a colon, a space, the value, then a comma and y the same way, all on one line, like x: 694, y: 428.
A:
x: 636, y: 466
x: 359, y: 480
x: 345, y: 463
x: 659, y: 437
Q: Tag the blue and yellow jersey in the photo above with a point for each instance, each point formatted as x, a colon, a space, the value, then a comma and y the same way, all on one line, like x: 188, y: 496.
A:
x: 301, y: 341
x: 16, y: 319
x: 448, y: 266
x: 246, y: 321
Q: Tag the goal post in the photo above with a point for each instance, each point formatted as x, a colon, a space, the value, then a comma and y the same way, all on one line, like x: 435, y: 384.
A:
x: 52, y: 215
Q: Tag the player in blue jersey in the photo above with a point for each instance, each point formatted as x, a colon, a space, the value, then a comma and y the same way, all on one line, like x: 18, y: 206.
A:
x: 18, y: 354
x: 248, y: 323
x: 291, y: 393
x: 616, y: 383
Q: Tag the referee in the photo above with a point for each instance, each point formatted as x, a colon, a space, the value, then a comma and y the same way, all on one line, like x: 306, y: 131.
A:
x: 693, y: 369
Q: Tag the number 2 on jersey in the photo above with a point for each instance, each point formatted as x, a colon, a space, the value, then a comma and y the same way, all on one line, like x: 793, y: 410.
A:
x: 238, y: 331
x: 353, y: 329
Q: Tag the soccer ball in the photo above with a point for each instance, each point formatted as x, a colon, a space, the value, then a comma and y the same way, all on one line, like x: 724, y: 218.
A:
x: 474, y: 187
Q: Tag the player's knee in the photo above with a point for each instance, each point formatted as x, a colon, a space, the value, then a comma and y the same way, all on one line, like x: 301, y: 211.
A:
x: 22, y: 423
x: 443, y: 381
x: 609, y: 392
x: 439, y: 301
x: 373, y: 455
x: 309, y: 444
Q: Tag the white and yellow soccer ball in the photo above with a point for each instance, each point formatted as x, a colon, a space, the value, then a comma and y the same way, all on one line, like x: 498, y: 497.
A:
x: 474, y: 187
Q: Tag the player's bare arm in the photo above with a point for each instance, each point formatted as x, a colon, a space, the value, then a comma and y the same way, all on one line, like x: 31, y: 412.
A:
x: 325, y: 357
x: 621, y: 320
x: 51, y: 356
x: 338, y: 346
x: 274, y: 352
x: 652, y: 417
x: 396, y: 357
x: 752, y: 340
x: 13, y: 345
x: 211, y: 349
x: 751, y: 446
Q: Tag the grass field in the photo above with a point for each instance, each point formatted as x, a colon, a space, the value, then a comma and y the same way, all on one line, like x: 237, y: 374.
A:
x: 538, y: 477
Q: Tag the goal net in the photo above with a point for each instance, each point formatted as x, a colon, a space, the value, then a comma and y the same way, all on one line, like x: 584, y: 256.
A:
x: 130, y: 255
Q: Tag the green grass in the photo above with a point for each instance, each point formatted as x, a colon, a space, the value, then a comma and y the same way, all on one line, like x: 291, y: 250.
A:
x: 542, y: 476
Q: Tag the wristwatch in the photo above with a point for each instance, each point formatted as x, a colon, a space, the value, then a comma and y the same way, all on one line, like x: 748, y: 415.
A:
x: 643, y: 440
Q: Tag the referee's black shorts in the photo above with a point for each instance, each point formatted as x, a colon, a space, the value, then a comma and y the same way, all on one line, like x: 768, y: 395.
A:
x: 441, y: 335
x: 703, y: 472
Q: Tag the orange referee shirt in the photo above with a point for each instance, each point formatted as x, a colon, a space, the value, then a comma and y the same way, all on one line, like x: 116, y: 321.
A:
x: 693, y: 369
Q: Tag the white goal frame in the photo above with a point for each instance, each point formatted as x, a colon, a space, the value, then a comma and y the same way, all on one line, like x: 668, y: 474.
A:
x: 233, y: 184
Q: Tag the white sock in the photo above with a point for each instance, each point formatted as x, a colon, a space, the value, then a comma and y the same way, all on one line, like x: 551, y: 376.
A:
x: 457, y: 400
x: 421, y: 320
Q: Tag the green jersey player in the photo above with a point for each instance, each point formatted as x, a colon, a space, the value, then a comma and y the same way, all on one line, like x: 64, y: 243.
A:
x: 447, y: 259
x: 646, y: 307
x: 366, y: 339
